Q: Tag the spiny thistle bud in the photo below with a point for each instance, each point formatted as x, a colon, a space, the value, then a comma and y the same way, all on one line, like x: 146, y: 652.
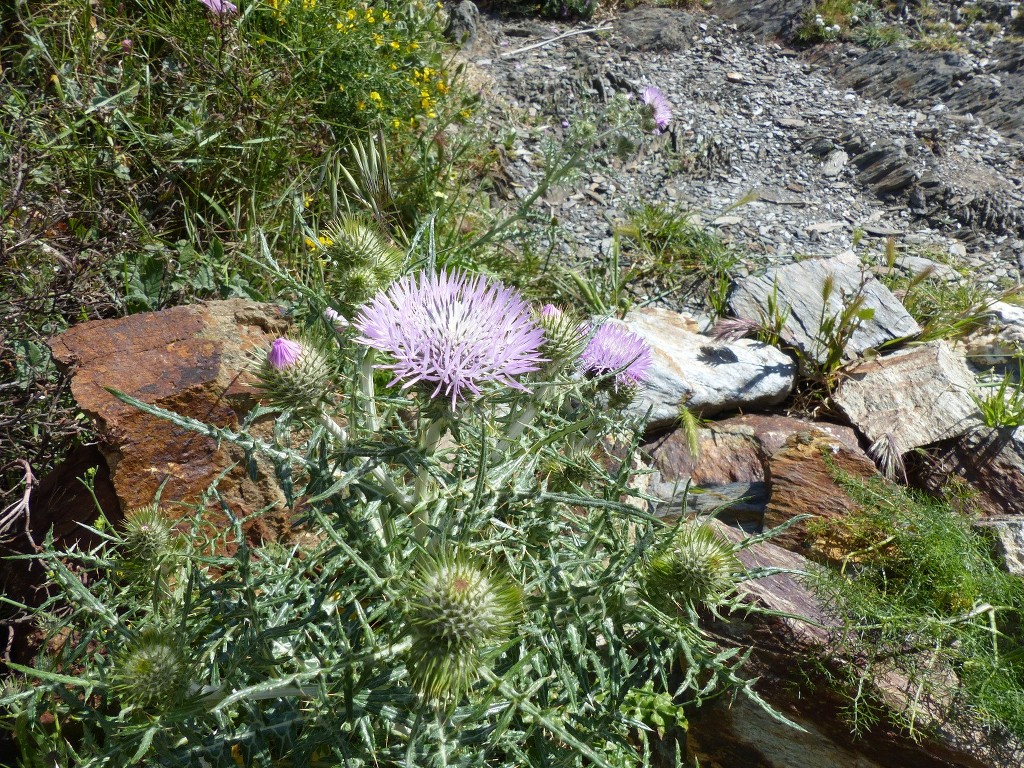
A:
x: 697, y: 567
x: 295, y: 375
x: 456, y: 610
x: 360, y: 260
x: 358, y: 284
x: 150, y: 672
x: 565, y: 335
x: 148, y: 535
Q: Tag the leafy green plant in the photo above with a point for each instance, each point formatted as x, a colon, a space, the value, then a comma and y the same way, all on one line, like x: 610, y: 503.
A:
x: 146, y: 145
x: 860, y: 21
x: 939, y: 37
x: 920, y: 593
x: 1002, y: 402
x: 667, y: 247
x: 944, y: 307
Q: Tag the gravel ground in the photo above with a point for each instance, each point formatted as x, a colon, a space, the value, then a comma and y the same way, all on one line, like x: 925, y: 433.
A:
x: 752, y: 119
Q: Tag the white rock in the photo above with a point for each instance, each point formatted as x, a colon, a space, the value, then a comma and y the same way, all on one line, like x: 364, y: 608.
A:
x: 707, y: 376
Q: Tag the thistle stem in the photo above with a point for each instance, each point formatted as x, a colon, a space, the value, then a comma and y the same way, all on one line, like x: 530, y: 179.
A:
x: 387, y: 483
x: 366, y: 389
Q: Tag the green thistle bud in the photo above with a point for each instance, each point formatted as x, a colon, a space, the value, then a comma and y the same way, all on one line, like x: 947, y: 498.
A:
x: 359, y: 284
x: 151, y: 672
x: 697, y: 567
x: 565, y: 335
x: 295, y: 375
x: 364, y: 262
x: 351, y: 241
x: 457, y: 609
x: 148, y: 535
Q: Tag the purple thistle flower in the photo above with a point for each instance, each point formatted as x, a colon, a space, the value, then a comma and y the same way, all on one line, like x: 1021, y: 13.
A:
x: 220, y: 7
x: 615, y: 349
x: 661, y: 110
x: 284, y: 353
x: 550, y: 311
x: 452, y: 331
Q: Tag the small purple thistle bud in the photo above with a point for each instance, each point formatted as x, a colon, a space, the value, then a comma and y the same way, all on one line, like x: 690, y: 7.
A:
x: 615, y: 349
x: 127, y: 45
x: 220, y: 7
x: 550, y: 312
x: 335, y: 319
x: 661, y: 110
x: 284, y: 353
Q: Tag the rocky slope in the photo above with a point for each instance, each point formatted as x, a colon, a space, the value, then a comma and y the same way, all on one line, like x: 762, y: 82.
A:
x: 834, y: 143
x: 835, y: 150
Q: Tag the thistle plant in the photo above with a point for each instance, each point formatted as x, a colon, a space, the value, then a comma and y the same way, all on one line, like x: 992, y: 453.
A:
x: 477, y: 583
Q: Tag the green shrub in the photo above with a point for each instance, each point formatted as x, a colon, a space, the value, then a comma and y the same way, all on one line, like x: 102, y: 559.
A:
x: 920, y: 591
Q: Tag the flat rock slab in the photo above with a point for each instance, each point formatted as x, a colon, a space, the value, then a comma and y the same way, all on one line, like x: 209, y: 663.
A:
x: 917, y: 397
x: 191, y: 360
x: 798, y: 288
x: 707, y: 376
x: 730, y: 474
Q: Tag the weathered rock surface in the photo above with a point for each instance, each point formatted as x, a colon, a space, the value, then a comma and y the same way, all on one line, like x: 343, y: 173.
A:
x: 798, y: 288
x: 990, y: 460
x: 706, y: 376
x: 652, y: 29
x: 733, y: 476
x: 913, y: 398
x: 191, y: 360
x: 1009, y: 540
x: 802, y: 483
x: 734, y: 739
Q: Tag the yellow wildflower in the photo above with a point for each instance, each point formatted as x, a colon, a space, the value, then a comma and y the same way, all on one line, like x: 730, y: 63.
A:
x: 395, y: 44
x: 351, y: 15
x: 396, y: 123
x: 361, y: 105
x: 442, y: 87
x: 378, y: 40
x: 375, y: 98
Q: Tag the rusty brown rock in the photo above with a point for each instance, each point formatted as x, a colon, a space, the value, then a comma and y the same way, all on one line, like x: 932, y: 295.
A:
x: 733, y: 466
x: 191, y: 360
x: 802, y: 483
x: 989, y: 460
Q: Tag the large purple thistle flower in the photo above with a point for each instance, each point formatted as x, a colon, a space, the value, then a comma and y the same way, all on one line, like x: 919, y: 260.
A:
x: 452, y: 331
x: 615, y: 349
x: 661, y: 110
